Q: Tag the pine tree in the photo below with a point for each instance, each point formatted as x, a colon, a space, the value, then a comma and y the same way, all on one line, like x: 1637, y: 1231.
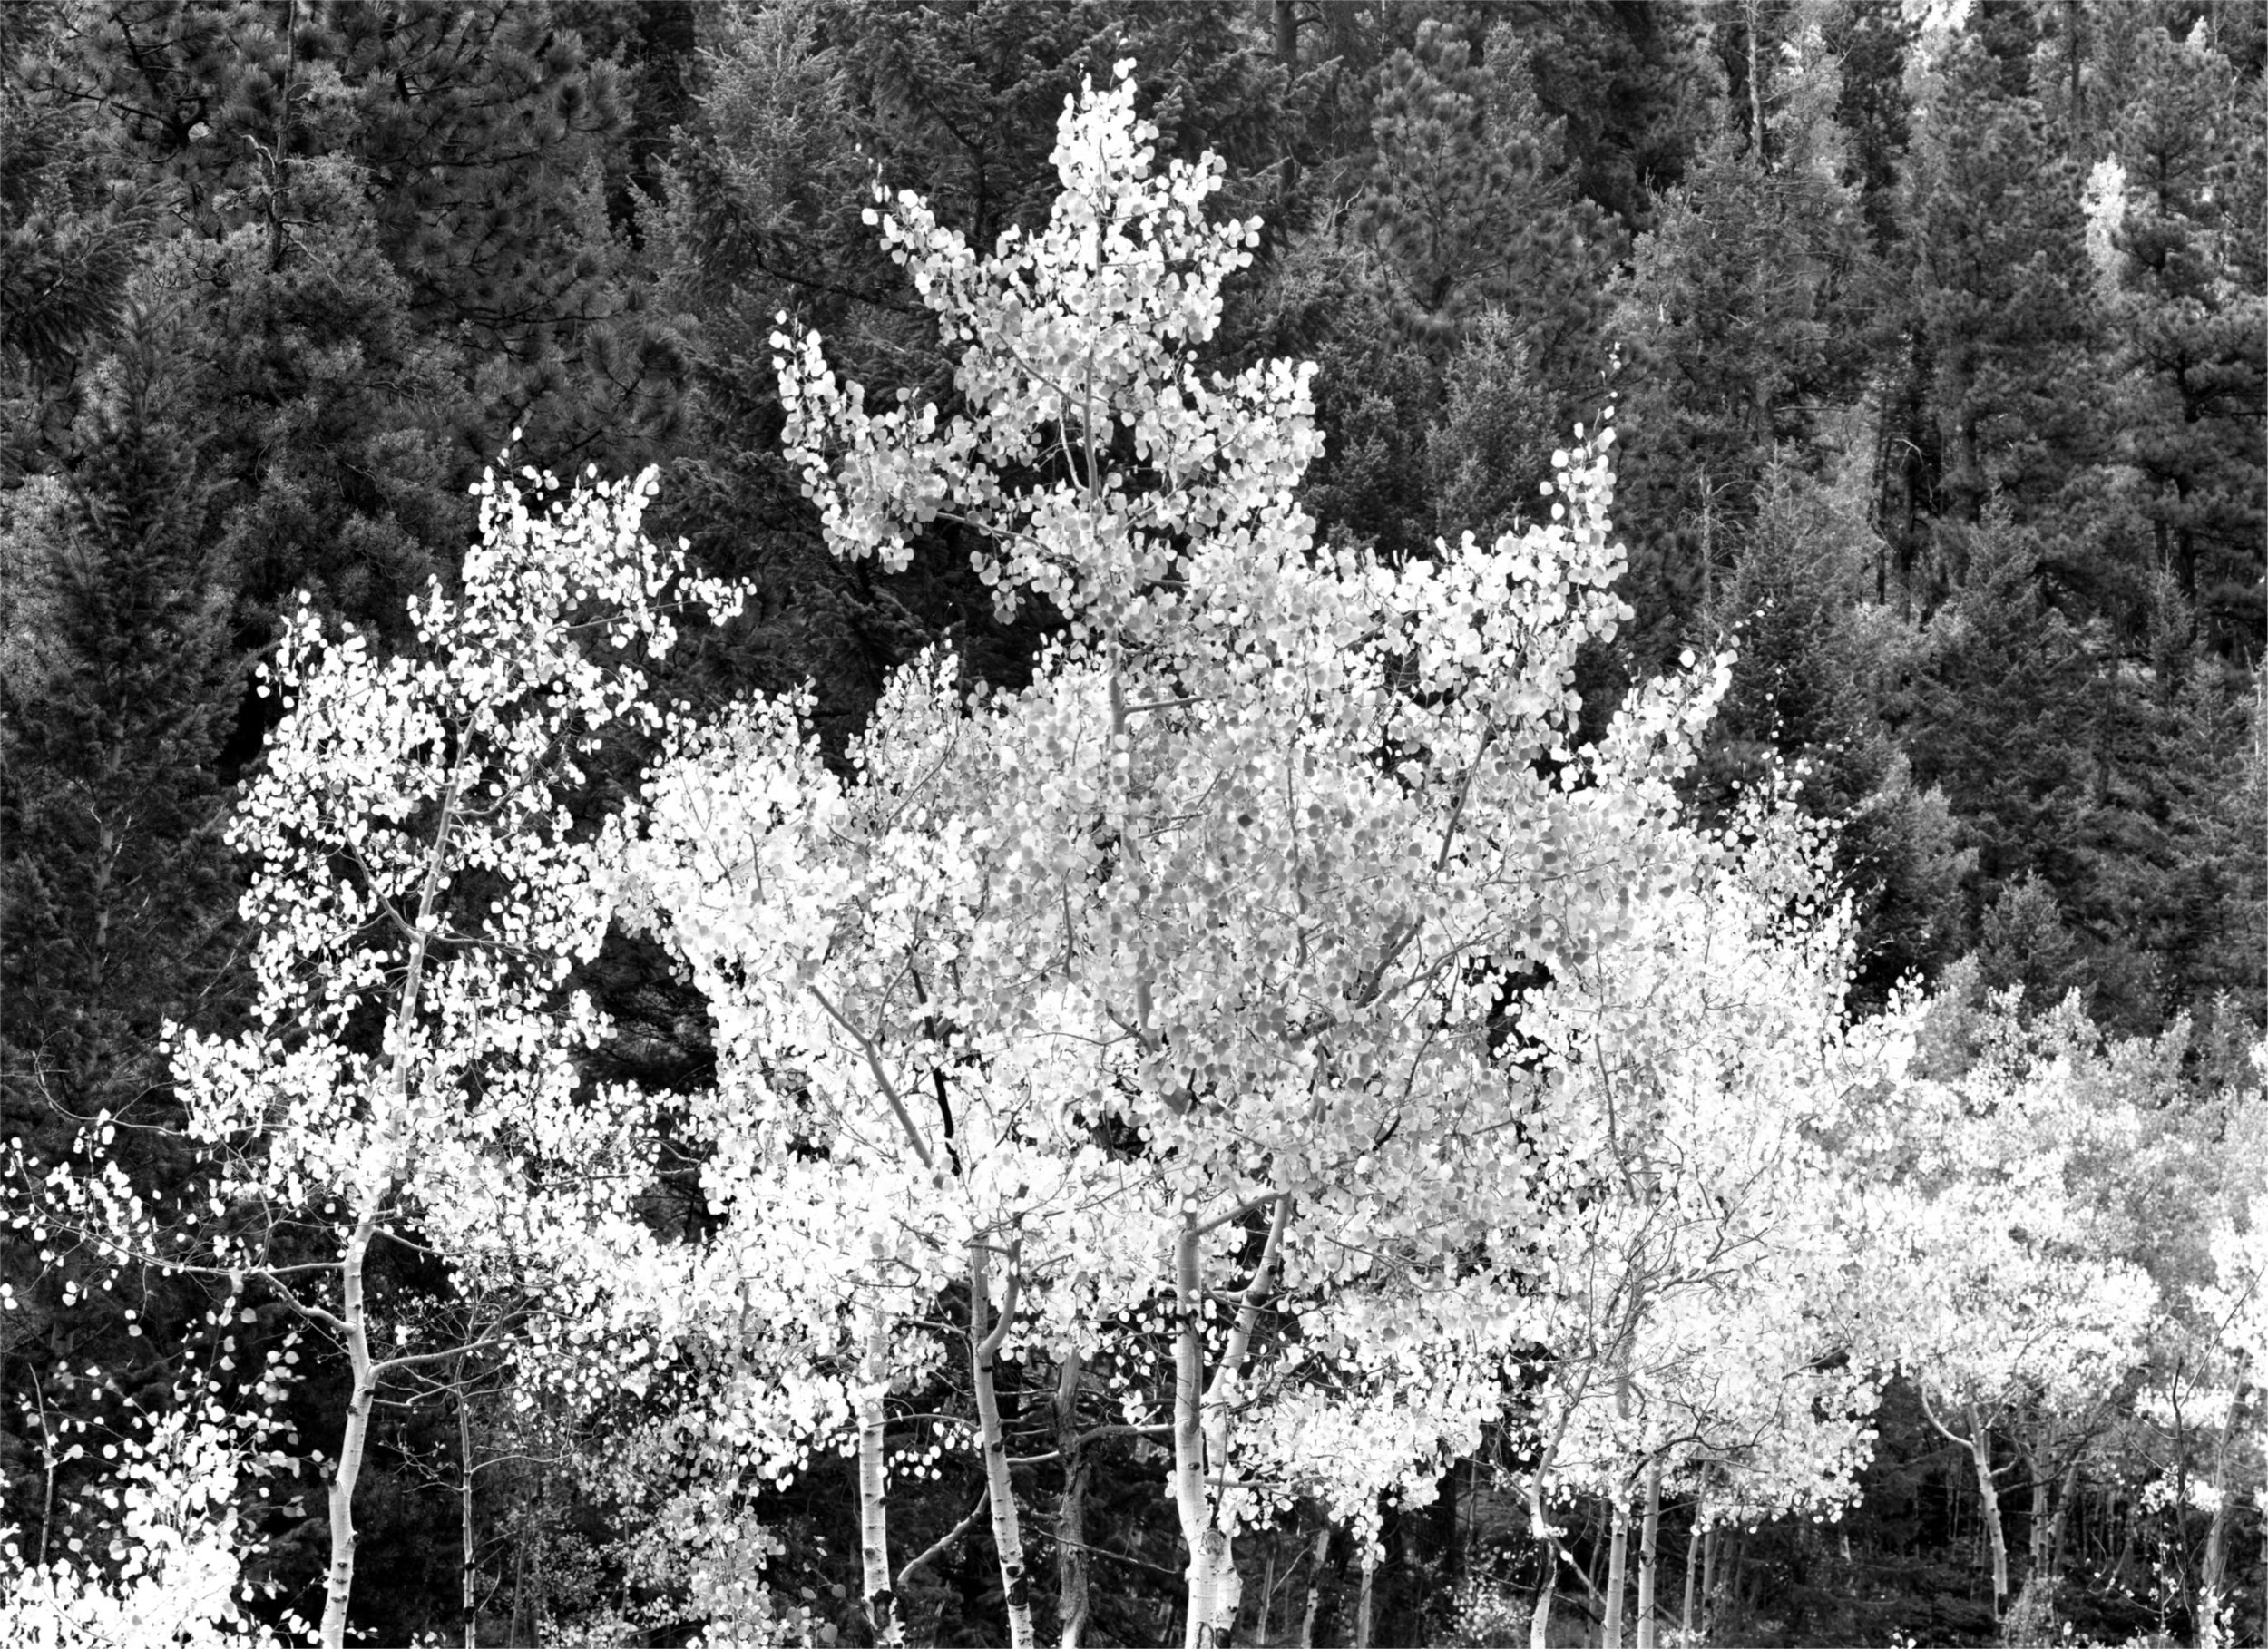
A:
x: 2189, y: 310
x: 1810, y: 697
x: 1469, y: 203
x: 2052, y: 757
x: 393, y: 232
x: 2005, y: 319
x: 68, y: 235
x: 1733, y: 317
x: 118, y: 891
x: 1631, y: 83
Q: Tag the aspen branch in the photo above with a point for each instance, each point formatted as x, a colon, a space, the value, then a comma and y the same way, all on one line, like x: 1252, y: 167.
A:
x: 874, y: 1063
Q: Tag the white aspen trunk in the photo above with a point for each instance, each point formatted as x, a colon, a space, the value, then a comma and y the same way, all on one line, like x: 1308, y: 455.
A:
x: 1710, y: 1541
x: 1362, y: 1597
x: 985, y: 1343
x: 1539, y: 1618
x: 2213, y: 1569
x: 1617, y: 1570
x: 1695, y: 1539
x: 1323, y: 1551
x: 1649, y: 1552
x: 1194, y: 1500
x: 375, y: 1183
x: 1071, y: 1517
x: 1980, y: 1452
x: 468, y: 1573
x: 338, y: 1581
x: 1540, y: 1526
x: 873, y: 1506
x: 1204, y: 1414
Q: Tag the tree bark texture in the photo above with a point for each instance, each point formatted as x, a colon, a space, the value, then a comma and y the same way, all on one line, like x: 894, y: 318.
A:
x: 1323, y: 1551
x: 1980, y: 1453
x: 1363, y: 1597
x: 1204, y: 1414
x: 1695, y: 1539
x: 1649, y: 1553
x: 984, y: 1343
x: 467, y: 1572
x: 874, y: 1489
x: 338, y: 1581
x: 1070, y: 1518
x: 1618, y: 1571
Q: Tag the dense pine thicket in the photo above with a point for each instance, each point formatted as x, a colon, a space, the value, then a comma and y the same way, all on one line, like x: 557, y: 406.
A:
x: 1940, y: 345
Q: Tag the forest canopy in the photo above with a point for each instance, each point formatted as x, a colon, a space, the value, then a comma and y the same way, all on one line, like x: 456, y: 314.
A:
x: 827, y: 821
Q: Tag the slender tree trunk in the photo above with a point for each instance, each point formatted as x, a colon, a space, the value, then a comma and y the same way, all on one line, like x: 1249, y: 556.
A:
x: 1980, y: 1453
x: 1362, y: 1597
x: 2063, y: 1515
x: 1711, y: 1541
x: 536, y: 1606
x: 1070, y: 1518
x: 467, y: 1569
x: 1323, y: 1552
x: 375, y: 1185
x: 1694, y: 1540
x: 2125, y: 1545
x: 874, y: 1489
x: 1548, y: 1586
x: 2263, y: 1580
x: 47, y: 1465
x: 1756, y: 87
x: 1211, y: 1571
x: 1204, y: 1414
x: 984, y: 1343
x: 338, y: 1583
x: 1617, y: 1569
x: 1649, y: 1552
x: 2037, y: 1525
x: 2213, y: 1572
x: 1268, y: 1594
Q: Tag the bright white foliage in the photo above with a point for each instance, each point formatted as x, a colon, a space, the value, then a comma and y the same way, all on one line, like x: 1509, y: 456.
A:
x: 420, y: 893
x: 178, y: 1580
x: 1994, y: 1260
x: 1693, y: 1285
x: 442, y: 779
x: 1253, y: 869
x: 1283, y: 895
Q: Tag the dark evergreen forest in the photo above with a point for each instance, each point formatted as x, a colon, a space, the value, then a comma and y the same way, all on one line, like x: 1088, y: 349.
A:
x: 1938, y: 341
